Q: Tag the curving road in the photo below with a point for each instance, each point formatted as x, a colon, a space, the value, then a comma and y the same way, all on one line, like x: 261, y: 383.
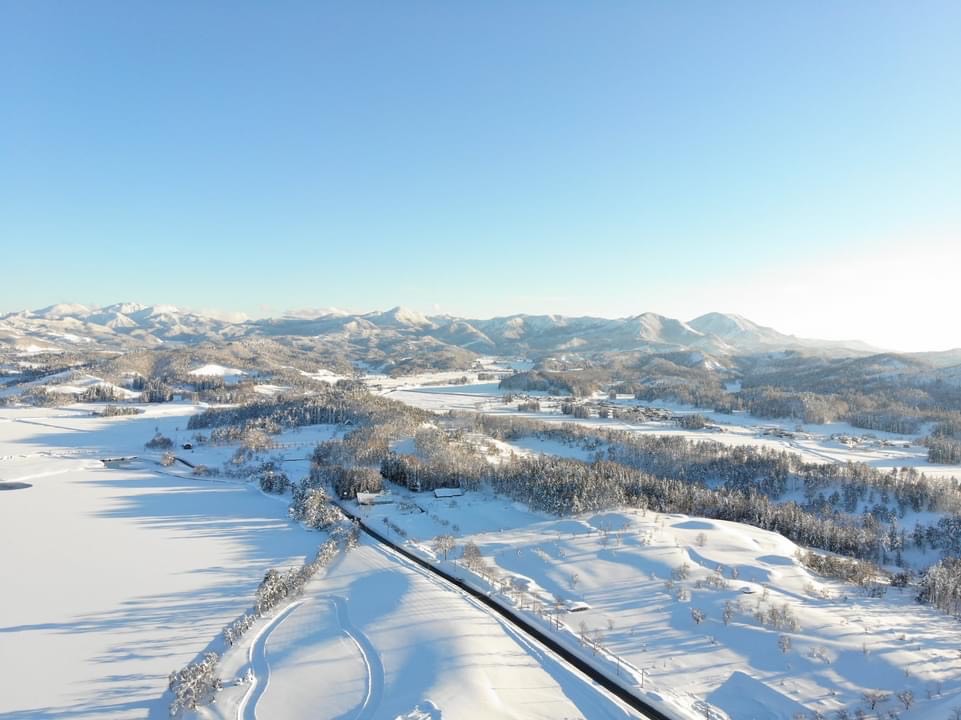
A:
x: 522, y: 629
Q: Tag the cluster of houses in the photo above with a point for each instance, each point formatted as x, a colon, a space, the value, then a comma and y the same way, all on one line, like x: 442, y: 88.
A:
x: 857, y: 440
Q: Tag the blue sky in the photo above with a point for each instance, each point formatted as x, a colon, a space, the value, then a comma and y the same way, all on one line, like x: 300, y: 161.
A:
x: 798, y: 164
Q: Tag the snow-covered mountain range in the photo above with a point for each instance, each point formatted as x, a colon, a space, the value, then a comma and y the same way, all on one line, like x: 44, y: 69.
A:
x: 130, y: 325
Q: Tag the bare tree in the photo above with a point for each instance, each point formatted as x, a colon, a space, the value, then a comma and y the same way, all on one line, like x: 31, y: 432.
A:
x: 583, y: 631
x: 472, y: 555
x: 728, y: 612
x: 444, y: 544
x: 873, y: 698
x: 159, y: 442
x: 906, y: 697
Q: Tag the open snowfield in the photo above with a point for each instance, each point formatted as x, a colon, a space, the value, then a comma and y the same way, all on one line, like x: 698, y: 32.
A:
x: 69, y: 383
x: 620, y: 566
x: 118, y: 576
x: 229, y: 375
x: 377, y: 637
x: 112, y: 578
x: 815, y: 443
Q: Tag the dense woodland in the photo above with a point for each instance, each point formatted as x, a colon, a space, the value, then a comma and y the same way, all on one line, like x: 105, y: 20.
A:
x: 346, y: 403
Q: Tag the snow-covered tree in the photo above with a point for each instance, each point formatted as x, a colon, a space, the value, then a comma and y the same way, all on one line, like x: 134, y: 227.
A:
x: 444, y: 544
x: 784, y: 643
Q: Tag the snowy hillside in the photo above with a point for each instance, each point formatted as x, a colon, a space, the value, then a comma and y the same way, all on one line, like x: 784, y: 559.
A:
x: 126, y: 325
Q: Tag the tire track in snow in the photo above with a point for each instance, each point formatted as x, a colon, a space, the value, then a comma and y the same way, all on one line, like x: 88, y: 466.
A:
x: 375, y: 668
x: 260, y: 665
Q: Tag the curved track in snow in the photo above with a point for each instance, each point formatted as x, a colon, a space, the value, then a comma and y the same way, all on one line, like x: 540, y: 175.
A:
x: 260, y: 665
x: 260, y: 662
x: 375, y: 668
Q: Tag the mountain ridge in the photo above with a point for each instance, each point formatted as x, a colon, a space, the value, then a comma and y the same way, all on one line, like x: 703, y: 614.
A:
x: 130, y: 325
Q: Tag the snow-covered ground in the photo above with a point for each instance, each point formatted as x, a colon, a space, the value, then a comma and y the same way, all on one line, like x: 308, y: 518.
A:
x: 816, y: 443
x: 116, y: 577
x: 377, y: 637
x: 619, y: 567
x: 113, y: 578
x: 230, y: 375
x: 69, y: 382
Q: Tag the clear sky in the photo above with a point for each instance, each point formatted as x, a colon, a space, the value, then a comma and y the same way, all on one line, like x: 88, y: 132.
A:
x: 797, y: 163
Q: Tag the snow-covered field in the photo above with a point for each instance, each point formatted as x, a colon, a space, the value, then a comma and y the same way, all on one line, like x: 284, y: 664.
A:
x: 69, y: 383
x: 229, y: 375
x: 112, y: 578
x: 115, y: 577
x: 640, y: 577
x: 377, y: 637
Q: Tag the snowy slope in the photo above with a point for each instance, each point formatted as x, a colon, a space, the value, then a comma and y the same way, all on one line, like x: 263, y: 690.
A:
x: 375, y: 637
x: 128, y: 325
x: 640, y: 575
x: 154, y: 564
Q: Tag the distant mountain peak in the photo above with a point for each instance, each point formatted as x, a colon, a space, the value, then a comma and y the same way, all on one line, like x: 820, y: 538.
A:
x: 62, y: 310
x: 123, y: 308
x: 399, y: 316
x: 129, y: 325
x: 725, y: 324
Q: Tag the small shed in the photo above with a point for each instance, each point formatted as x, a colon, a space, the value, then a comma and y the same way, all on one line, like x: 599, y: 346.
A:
x: 448, y: 492
x: 366, y: 498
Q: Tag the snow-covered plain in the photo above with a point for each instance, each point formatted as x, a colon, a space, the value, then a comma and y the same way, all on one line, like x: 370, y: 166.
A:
x: 112, y: 578
x: 121, y: 575
x: 377, y: 637
x: 115, y: 577
x: 618, y: 566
